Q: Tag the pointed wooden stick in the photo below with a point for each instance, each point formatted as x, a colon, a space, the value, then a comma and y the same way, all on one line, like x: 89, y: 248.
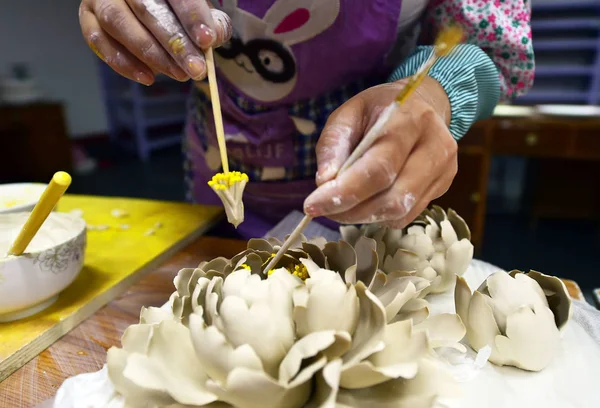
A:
x: 216, y: 106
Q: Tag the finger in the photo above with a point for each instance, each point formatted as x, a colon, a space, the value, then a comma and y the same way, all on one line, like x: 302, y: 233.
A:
x: 436, y: 190
x: 113, y: 53
x: 206, y: 26
x: 374, y: 172
x: 158, y: 18
x: 340, y: 135
x: 117, y: 20
x: 223, y: 27
x: 425, y: 165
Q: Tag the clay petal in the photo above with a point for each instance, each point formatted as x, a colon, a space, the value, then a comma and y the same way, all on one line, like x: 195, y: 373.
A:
x: 315, y: 253
x: 558, y: 297
x: 329, y: 304
x: 482, y: 329
x: 403, y: 260
x: 269, y: 332
x: 459, y: 225
x: 416, y: 310
x: 247, y: 388
x: 532, y: 339
x: 116, y: 363
x: 327, y: 386
x: 448, y: 234
x: 350, y: 234
x: 444, y: 330
x: 366, y: 259
x: 136, y: 337
x: 508, y: 294
x: 370, y: 329
x: 420, y: 244
x: 462, y: 299
x: 170, y: 366
x: 308, y: 347
x: 431, y: 383
x: 216, y: 355
x: 341, y: 258
x: 458, y: 257
x: 153, y: 315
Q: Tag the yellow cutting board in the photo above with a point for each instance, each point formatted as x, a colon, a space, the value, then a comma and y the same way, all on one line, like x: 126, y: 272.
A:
x: 114, y: 259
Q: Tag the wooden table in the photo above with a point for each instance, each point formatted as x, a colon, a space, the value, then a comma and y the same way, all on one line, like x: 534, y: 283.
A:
x: 84, y: 348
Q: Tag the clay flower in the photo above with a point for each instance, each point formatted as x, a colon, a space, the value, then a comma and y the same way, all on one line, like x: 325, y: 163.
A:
x: 518, y: 315
x: 435, y: 247
x: 230, y: 189
x: 277, y: 342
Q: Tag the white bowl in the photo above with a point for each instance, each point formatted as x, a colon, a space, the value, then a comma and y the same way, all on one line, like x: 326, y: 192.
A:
x: 20, y: 197
x: 31, y: 282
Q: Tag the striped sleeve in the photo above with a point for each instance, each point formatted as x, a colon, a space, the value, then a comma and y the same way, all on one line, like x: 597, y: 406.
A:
x: 469, y: 77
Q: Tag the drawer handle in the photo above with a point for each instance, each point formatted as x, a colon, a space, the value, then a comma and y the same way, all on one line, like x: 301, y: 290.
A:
x: 531, y: 139
x: 475, y: 197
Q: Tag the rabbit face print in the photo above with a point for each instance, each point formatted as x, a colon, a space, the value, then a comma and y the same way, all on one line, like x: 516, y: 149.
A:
x: 259, y: 60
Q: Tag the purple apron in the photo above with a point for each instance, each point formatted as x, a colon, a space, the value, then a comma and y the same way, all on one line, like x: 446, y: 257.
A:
x: 289, y: 64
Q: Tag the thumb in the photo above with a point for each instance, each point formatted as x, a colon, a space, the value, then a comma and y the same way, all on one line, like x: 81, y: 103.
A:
x: 339, y: 137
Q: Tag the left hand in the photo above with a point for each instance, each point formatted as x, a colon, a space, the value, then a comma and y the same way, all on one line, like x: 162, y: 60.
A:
x: 411, y: 164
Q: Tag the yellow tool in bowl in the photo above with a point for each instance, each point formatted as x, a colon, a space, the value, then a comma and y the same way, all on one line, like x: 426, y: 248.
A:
x: 55, y: 190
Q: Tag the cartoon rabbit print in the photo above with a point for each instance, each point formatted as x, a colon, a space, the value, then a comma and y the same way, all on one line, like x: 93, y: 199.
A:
x: 259, y: 60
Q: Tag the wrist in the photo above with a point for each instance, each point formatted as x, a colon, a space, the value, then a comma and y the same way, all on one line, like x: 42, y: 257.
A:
x: 432, y: 92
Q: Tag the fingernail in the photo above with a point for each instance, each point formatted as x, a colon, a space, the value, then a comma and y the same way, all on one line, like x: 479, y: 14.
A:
x: 205, y: 36
x: 327, y: 173
x: 196, y: 67
x: 143, y: 78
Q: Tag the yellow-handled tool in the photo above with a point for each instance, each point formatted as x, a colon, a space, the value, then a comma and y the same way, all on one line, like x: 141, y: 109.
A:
x: 55, y: 190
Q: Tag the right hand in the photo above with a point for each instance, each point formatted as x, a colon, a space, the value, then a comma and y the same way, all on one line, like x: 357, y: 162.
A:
x: 141, y: 38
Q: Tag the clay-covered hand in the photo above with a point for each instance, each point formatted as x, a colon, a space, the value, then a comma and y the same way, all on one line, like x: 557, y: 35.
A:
x: 413, y: 162
x: 141, y: 38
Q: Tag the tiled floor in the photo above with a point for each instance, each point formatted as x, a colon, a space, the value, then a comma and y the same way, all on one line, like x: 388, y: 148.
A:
x: 566, y: 249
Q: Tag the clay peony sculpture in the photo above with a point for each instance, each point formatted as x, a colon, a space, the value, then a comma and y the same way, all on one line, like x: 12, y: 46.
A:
x: 436, y: 247
x: 276, y: 340
x: 518, y: 315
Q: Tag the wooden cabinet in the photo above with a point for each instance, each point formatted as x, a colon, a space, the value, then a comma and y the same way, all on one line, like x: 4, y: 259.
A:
x: 34, y: 143
x: 468, y: 192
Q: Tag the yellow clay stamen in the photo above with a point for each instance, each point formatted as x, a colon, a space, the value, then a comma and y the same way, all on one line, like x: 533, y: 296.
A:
x: 245, y: 266
x: 222, y: 181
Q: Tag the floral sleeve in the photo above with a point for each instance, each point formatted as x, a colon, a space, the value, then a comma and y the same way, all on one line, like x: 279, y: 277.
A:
x: 500, y: 27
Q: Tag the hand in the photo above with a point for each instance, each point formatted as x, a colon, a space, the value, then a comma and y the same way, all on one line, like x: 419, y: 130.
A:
x: 139, y: 38
x: 412, y: 163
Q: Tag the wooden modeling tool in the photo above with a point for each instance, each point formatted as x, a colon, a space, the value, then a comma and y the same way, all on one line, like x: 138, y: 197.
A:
x: 229, y: 186
x: 445, y: 43
x: 55, y: 190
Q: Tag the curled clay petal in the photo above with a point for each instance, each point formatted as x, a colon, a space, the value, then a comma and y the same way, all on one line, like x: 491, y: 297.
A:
x: 153, y: 315
x: 558, y: 297
x: 327, y: 386
x: 482, y: 329
x: 462, y: 299
x: 459, y: 225
x: 170, y: 365
x: 366, y: 259
x: 370, y: 329
x: 341, y: 258
x: 432, y: 382
x: 247, y: 388
x: 403, y: 260
x: 308, y: 347
x: 420, y: 244
x: 216, y: 355
x: 532, y: 339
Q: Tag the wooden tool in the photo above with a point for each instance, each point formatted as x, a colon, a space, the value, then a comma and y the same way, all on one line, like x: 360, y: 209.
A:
x: 216, y: 107
x: 55, y: 190
x: 119, y: 251
x: 445, y: 43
